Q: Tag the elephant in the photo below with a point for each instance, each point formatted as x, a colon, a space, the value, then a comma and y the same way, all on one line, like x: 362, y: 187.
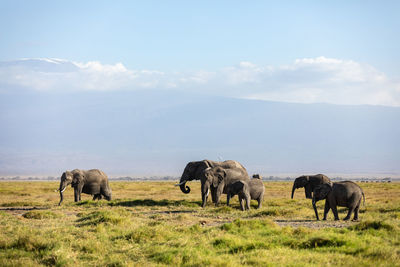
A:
x: 254, y: 189
x: 241, y: 189
x: 93, y: 182
x: 222, y: 179
x: 342, y: 194
x: 194, y: 170
x: 257, y: 176
x: 309, y: 182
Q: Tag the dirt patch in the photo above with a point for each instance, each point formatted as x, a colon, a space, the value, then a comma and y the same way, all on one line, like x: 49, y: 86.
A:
x: 208, y: 220
x: 314, y: 224
x: 18, y: 211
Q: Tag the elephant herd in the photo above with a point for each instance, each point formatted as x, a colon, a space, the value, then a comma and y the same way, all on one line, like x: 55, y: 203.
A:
x: 231, y: 178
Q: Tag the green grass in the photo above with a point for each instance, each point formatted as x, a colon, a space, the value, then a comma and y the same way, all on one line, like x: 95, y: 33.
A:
x: 154, y: 224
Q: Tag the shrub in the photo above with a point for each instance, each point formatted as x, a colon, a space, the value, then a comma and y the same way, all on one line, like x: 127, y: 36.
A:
x: 376, y: 225
x: 39, y: 215
x: 103, y: 216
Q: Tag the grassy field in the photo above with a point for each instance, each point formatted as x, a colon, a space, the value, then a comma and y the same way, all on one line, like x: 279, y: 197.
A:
x: 154, y: 224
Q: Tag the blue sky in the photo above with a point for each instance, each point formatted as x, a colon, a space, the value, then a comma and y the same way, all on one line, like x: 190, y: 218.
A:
x: 202, y: 35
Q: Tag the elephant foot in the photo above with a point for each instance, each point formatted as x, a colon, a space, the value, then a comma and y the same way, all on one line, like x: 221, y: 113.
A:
x: 336, y: 219
x: 355, y: 220
x: 346, y: 219
x: 324, y: 219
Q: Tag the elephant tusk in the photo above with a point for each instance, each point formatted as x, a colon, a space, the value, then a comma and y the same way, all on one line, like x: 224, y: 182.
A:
x: 180, y: 183
x: 63, y: 189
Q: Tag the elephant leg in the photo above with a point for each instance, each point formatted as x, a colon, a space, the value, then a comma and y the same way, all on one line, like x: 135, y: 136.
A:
x: 351, y: 209
x: 355, y: 218
x: 260, y: 200
x: 315, y: 210
x: 218, y: 193
x: 204, y: 194
x: 77, y: 192
x: 212, y: 189
x: 97, y: 196
x: 76, y: 199
x: 335, y: 213
x: 228, y: 198
x: 326, y: 210
x: 241, y: 203
x: 248, y: 199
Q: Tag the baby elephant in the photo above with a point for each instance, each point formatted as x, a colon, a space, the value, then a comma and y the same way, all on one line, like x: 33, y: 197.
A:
x: 342, y: 194
x: 253, y: 189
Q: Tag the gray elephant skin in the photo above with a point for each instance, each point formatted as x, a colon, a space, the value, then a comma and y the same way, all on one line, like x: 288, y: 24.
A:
x: 222, y: 179
x: 93, y: 182
x: 194, y: 170
x: 342, y: 194
x: 309, y: 182
x: 254, y: 189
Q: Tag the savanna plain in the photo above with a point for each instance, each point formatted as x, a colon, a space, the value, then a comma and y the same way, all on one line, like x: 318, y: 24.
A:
x: 155, y: 224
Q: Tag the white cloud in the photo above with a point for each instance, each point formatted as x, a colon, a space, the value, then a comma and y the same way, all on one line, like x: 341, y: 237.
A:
x: 307, y: 80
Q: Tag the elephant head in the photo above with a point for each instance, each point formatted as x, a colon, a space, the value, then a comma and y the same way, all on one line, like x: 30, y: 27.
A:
x: 66, y: 179
x: 321, y: 192
x: 216, y: 177
x: 302, y: 181
x: 192, y: 171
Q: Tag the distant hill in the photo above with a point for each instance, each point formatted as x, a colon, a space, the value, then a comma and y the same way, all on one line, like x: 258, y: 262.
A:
x: 156, y: 132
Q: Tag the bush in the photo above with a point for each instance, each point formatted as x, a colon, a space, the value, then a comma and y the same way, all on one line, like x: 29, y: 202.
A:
x: 376, y: 225
x: 103, y: 216
x: 39, y: 215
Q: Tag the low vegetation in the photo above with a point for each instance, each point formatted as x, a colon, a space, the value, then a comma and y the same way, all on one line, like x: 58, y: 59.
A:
x: 154, y: 224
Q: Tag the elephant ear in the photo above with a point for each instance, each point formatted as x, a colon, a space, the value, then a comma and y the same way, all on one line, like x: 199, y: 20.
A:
x: 323, y: 190
x: 77, y: 178
x: 308, y: 190
x: 208, y: 163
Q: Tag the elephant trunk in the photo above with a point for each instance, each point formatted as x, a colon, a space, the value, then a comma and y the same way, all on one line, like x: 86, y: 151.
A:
x: 294, y: 188
x: 185, y: 189
x: 61, y: 189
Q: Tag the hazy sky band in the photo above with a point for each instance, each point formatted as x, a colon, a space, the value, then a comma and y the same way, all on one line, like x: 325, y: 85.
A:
x: 308, y: 80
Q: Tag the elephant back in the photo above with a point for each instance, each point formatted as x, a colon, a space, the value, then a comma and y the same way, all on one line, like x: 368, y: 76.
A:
x: 256, y: 187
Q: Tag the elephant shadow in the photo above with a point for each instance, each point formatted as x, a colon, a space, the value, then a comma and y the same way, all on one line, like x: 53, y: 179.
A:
x: 154, y: 203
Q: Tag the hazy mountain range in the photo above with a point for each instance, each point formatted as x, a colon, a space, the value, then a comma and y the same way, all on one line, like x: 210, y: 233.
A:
x: 156, y: 132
